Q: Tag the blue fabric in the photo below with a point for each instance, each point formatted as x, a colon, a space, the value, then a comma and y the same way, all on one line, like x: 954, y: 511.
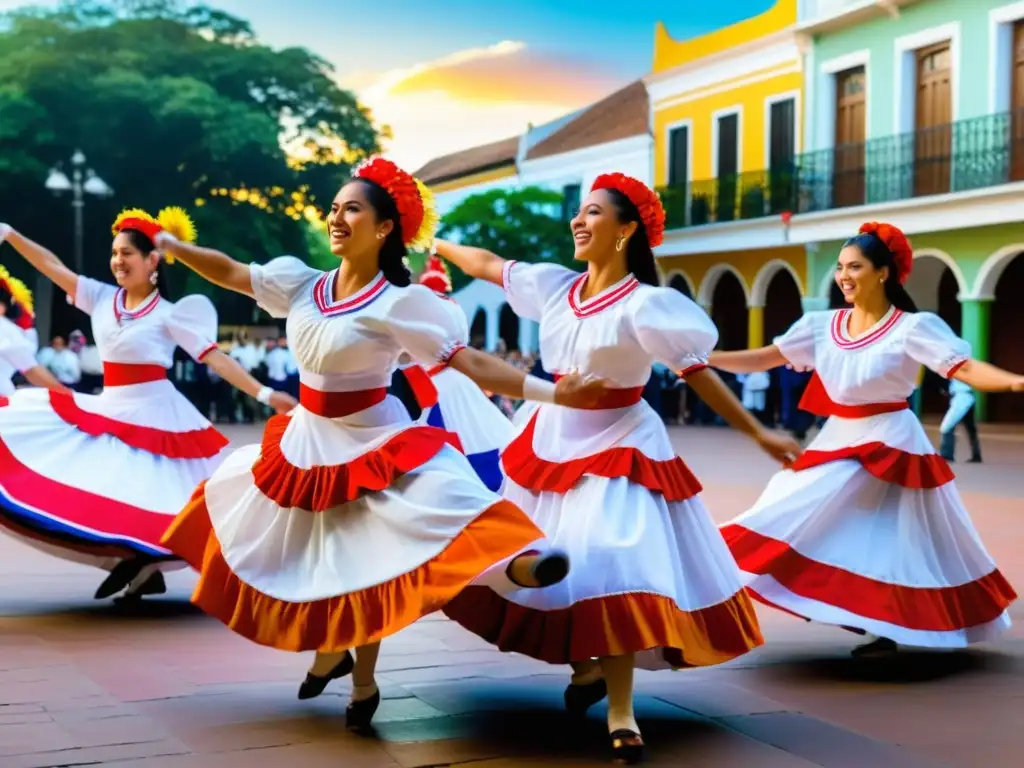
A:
x: 487, y: 465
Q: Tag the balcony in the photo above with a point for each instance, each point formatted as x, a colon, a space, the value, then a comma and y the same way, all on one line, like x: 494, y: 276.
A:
x: 963, y: 156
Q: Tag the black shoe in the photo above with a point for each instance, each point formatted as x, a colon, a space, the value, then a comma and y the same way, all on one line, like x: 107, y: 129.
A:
x: 880, y: 648
x: 154, y: 585
x: 358, y: 714
x: 627, y: 746
x: 120, y: 577
x: 580, y: 698
x: 548, y: 568
x: 314, y: 685
x: 974, y: 460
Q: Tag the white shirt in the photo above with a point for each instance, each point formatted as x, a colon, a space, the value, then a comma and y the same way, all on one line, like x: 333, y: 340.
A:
x: 64, y: 366
x: 89, y: 360
x: 45, y: 355
x: 247, y: 356
x: 277, y: 364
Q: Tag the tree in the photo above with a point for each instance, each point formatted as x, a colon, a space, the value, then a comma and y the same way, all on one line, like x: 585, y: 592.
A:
x: 523, y: 224
x: 172, y: 105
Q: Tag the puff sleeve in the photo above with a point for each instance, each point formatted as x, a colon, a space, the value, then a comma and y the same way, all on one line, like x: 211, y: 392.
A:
x: 90, y: 294
x: 193, y: 326
x: 797, y: 344
x: 276, y: 283
x: 530, y: 287
x: 673, y: 329
x: 431, y: 329
x: 931, y: 342
x: 15, y: 348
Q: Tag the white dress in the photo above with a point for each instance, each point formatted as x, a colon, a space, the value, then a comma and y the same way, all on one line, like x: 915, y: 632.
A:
x: 350, y: 521
x: 98, y: 478
x: 650, y: 572
x: 867, y: 530
x: 17, y: 355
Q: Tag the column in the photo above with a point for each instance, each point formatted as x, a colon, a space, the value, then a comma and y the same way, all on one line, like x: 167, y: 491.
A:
x: 975, y: 331
x: 755, y: 327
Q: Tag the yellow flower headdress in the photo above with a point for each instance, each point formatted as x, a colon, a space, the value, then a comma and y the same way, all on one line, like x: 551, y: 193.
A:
x: 173, y: 219
x: 417, y: 210
x: 20, y: 295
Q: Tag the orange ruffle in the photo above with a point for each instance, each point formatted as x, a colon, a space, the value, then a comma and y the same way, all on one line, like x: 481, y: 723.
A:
x: 351, y: 620
x: 202, y: 443
x: 910, y: 470
x: 323, y: 487
x: 612, y: 626
x: 671, y: 478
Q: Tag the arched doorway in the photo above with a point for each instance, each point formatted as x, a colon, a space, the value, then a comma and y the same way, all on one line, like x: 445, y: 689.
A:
x: 1006, y: 331
x: 680, y: 284
x: 934, y: 287
x: 729, y: 312
x: 782, y: 305
x: 478, y: 330
x: 508, y: 327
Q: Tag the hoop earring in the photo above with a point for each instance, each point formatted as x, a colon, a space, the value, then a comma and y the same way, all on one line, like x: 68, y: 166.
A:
x: 380, y: 235
x: 153, y: 277
x: 619, y: 243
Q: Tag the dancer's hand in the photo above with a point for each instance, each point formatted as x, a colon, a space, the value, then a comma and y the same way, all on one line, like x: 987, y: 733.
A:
x: 783, y: 448
x: 575, y: 391
x: 282, y: 402
x: 5, y: 230
x: 1017, y: 386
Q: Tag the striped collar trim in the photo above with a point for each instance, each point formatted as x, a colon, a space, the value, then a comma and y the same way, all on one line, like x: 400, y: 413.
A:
x: 841, y: 324
x: 323, y: 295
x: 606, y: 298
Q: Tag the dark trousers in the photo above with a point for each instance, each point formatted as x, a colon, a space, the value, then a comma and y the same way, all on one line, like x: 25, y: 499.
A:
x: 948, y: 446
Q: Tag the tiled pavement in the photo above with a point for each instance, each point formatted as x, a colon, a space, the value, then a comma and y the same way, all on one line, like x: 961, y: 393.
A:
x: 82, y: 683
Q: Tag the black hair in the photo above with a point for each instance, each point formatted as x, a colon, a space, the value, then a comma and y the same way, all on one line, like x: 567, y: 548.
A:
x: 393, y: 252
x: 878, y: 253
x: 639, y: 255
x: 14, y: 309
x: 141, y: 241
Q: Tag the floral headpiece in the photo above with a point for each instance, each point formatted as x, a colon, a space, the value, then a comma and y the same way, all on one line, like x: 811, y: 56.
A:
x: 646, y: 200
x: 415, y: 203
x: 435, y: 276
x: 20, y: 296
x: 896, y: 242
x: 173, y: 220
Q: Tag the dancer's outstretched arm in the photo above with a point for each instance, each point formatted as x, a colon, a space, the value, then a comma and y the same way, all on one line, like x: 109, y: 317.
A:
x: 235, y: 375
x: 39, y: 376
x: 748, y: 360
x: 475, y: 262
x: 43, y: 259
x: 986, y: 377
x: 219, y: 268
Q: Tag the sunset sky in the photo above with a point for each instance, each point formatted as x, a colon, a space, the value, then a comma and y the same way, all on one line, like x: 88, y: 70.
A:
x: 449, y: 74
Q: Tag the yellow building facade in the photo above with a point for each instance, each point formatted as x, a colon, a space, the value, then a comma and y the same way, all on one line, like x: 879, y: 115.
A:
x: 726, y: 114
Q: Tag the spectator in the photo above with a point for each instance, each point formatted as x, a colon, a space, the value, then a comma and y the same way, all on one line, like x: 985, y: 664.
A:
x: 64, y: 364
x: 247, y: 355
x: 89, y: 363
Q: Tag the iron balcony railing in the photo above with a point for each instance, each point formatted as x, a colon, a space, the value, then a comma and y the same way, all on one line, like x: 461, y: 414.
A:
x: 968, y: 154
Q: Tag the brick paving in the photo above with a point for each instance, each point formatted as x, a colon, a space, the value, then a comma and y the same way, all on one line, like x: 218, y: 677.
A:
x: 85, y: 683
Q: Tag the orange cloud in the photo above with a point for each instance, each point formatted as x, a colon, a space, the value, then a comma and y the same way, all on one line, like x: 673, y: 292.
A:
x: 474, y: 96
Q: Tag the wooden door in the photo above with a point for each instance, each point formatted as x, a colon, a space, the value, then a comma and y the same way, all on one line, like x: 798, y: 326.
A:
x: 851, y: 128
x: 728, y: 167
x: 1017, y: 104
x: 933, y: 134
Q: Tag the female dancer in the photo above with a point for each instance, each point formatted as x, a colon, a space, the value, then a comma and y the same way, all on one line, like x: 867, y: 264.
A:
x: 653, y: 583
x: 17, y: 348
x: 450, y: 400
x: 351, y: 521
x: 97, y: 478
x: 866, y: 530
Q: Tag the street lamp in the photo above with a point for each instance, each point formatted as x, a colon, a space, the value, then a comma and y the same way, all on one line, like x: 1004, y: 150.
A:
x: 83, y: 181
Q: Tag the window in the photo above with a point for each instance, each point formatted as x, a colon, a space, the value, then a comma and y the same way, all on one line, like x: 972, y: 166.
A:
x: 679, y: 156
x: 782, y: 135
x: 570, y: 201
x: 728, y: 145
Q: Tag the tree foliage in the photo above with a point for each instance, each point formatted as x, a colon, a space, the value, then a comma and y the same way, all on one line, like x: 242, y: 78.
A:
x: 523, y: 224
x: 172, y: 105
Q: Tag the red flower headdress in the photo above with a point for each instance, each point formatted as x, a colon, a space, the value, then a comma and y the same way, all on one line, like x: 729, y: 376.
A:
x: 896, y: 242
x: 646, y: 200
x: 415, y: 203
x: 21, y: 296
x: 172, y: 219
x: 435, y: 276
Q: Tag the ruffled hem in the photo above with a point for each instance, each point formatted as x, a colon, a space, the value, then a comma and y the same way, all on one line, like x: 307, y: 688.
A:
x: 202, y: 443
x: 351, y: 620
x: 929, y: 609
x: 611, y: 626
x: 891, y: 465
x: 323, y: 487
x: 671, y: 478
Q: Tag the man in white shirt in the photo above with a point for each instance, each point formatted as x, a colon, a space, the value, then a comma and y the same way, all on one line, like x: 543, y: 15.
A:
x: 88, y: 361
x: 248, y: 356
x: 64, y: 364
x: 276, y: 360
x: 291, y: 368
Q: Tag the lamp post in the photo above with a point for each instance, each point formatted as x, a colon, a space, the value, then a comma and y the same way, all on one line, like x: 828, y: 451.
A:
x: 83, y: 181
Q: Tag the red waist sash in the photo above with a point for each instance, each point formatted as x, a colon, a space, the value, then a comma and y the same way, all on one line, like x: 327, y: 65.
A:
x: 333, y: 405
x: 614, y: 398
x: 816, y: 400
x: 124, y: 374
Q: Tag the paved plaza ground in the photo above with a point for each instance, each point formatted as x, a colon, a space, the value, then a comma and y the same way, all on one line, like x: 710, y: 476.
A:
x: 85, y: 683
